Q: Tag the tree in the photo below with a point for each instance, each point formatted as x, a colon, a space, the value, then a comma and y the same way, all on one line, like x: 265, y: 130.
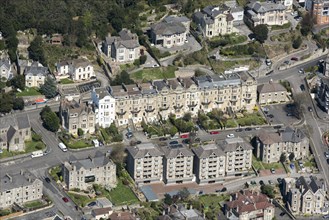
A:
x: 167, y: 199
x: 123, y: 77
x: 283, y: 158
x: 44, y: 110
x: 291, y: 156
x: 118, y: 155
x: 306, y: 24
x: 36, y: 51
x: 49, y: 88
x: 296, y: 43
x: 187, y: 116
x: 184, y: 194
x: 18, y: 82
x: 142, y: 59
x: 49, y: 119
x: 261, y: 33
x: 80, y: 132
x: 6, y: 103
x: 172, y: 131
x: 267, y: 190
x: 18, y: 104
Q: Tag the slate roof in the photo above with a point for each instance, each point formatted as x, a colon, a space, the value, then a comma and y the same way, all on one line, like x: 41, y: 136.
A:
x: 5, y: 63
x: 24, y: 178
x: 118, y: 91
x: 125, y: 39
x: 23, y: 121
x: 173, y: 83
x: 164, y: 28
x: 101, y: 211
x: 231, y: 144
x: 122, y: 216
x: 271, y: 87
x: 178, y: 19
x: 76, y: 63
x: 75, y: 107
x: 269, y: 137
x: 141, y: 150
x: 314, y: 184
x: 160, y: 84
x: 5, y: 122
x: 325, y: 80
x: 147, y: 88
x: 205, y: 151
x: 89, y: 163
x: 36, y: 70
x: 172, y: 152
x: 263, y: 7
x: 102, y: 92
x: 287, y: 135
x: 214, y: 11
x: 187, y: 82
x: 132, y: 89
x: 10, y: 133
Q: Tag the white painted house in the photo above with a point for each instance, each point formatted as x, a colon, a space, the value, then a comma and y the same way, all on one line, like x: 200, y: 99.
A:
x: 104, y: 107
x: 78, y: 69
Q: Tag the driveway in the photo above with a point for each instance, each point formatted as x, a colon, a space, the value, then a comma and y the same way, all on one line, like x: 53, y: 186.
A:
x: 280, y: 116
x: 150, y: 61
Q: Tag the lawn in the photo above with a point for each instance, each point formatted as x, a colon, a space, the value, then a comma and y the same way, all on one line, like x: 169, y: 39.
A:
x: 257, y: 164
x: 34, y: 204
x: 81, y: 200
x: 230, y: 123
x: 30, y: 146
x: 279, y: 27
x: 221, y: 66
x: 78, y: 144
x: 55, y: 173
x: 231, y: 39
x: 66, y: 81
x: 122, y: 195
x: 154, y: 73
x: 260, y: 165
x: 29, y: 92
x: 212, y: 202
x: 251, y: 119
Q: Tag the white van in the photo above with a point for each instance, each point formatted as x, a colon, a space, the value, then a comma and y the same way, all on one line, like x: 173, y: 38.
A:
x: 62, y: 147
x: 38, y: 153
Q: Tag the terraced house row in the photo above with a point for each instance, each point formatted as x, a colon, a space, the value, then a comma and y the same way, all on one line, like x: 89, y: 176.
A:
x: 150, y: 101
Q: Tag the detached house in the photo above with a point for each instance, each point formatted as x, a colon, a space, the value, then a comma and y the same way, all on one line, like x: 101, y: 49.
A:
x: 77, y: 115
x: 265, y: 13
x: 122, y: 48
x: 77, y: 70
x: 5, y: 69
x: 271, y: 93
x: 214, y: 20
x: 35, y: 75
x: 14, y: 131
x: 170, y: 32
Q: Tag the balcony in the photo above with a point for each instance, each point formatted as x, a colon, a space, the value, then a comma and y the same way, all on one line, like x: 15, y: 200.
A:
x: 206, y: 102
x: 192, y: 105
x: 121, y: 113
x: 248, y: 98
x: 150, y: 110
x: 178, y: 107
x: 220, y: 102
x: 135, y: 111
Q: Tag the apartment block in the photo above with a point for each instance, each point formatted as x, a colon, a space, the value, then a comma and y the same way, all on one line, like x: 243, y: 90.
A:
x: 214, y: 20
x: 145, y: 163
x: 238, y: 155
x: 19, y: 188
x: 269, y: 146
x: 170, y: 32
x: 177, y: 164
x: 77, y: 115
x: 122, y: 48
x: 322, y: 96
x: 272, y: 93
x: 82, y: 174
x: 14, y: 131
x: 77, y: 69
x: 319, y: 10
x: 246, y: 204
x: 104, y: 104
x: 305, y: 196
x: 268, y: 13
x: 209, y: 163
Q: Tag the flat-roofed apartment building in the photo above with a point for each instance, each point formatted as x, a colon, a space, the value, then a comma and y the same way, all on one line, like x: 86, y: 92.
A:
x: 145, y: 163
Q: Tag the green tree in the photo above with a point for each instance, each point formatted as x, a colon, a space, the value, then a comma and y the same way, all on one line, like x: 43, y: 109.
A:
x: 261, y: 32
x: 291, y: 156
x: 36, y: 51
x: 267, y: 190
x: 167, y: 199
x: 6, y: 103
x: 283, y: 158
x: 49, y: 119
x: 142, y: 59
x: 18, y: 104
x: 80, y: 132
x: 297, y: 42
x: 306, y: 24
x: 118, y: 155
x: 187, y: 116
x: 173, y: 130
x: 44, y: 110
x: 18, y: 82
x: 123, y: 77
x: 184, y: 194
x: 49, y: 88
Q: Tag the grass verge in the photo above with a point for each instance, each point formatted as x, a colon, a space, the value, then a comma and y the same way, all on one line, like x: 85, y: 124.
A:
x: 29, y: 92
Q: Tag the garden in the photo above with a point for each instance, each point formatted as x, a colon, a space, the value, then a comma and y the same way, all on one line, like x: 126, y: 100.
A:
x: 246, y: 119
x: 229, y: 39
x: 29, y: 92
x: 146, y: 75
x: 111, y: 134
x: 216, y: 119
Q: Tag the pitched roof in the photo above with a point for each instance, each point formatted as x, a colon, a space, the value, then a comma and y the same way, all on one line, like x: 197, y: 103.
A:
x: 271, y: 87
x: 11, y: 181
x: 36, y: 70
x: 176, y: 19
x: 102, y: 92
x: 89, y: 163
x: 76, y: 107
x: 125, y: 39
x: 269, y: 137
x: 10, y: 133
x: 141, y: 150
x: 174, y: 151
x: 23, y: 121
x: 101, y: 211
x: 287, y: 135
x: 205, y: 151
x: 5, y: 63
x: 164, y: 28
x: 263, y: 7
x: 122, y: 216
x: 231, y: 144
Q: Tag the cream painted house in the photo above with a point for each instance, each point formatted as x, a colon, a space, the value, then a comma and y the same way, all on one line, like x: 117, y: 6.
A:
x: 272, y: 93
x: 35, y: 75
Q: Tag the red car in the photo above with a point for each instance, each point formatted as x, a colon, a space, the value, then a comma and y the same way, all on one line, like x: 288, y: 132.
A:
x: 184, y: 136
x: 294, y: 58
x: 65, y: 199
x: 214, y: 132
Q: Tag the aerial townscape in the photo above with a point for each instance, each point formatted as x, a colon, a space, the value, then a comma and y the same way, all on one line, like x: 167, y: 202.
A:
x: 164, y: 109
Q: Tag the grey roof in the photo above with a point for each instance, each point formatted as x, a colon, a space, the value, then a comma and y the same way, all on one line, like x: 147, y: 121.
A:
x: 271, y: 87
x: 176, y: 19
x: 216, y: 81
x: 89, y: 163
x: 292, y: 135
x: 102, y: 92
x: 23, y: 121
x: 164, y: 28
x: 213, y: 11
x: 5, y: 122
x: 5, y: 63
x: 314, y: 184
x: 125, y: 39
x: 149, y: 193
x: 231, y: 144
x: 11, y: 181
x: 263, y: 7
x: 118, y: 91
x: 36, y: 70
x: 174, y: 83
x: 160, y: 84
x: 10, y: 133
x: 141, y: 150
x: 76, y: 63
x: 172, y: 152
x: 147, y: 88
x: 206, y: 150
x: 325, y: 80
x: 237, y: 9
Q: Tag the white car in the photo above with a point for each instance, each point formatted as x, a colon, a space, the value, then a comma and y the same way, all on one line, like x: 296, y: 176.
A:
x: 230, y: 136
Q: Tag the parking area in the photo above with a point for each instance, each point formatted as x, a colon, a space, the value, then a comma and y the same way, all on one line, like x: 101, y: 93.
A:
x: 268, y: 172
x: 83, y: 88
x: 190, y: 45
x: 280, y: 114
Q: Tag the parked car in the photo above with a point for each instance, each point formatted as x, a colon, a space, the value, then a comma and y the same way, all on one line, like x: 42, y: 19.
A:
x: 310, y: 109
x: 214, y: 132
x: 326, y: 154
x: 47, y: 180
x: 224, y: 189
x: 270, y: 182
x: 327, y: 161
x: 279, y: 180
x: 230, y: 136
x: 65, y: 199
x: 325, y: 216
x: 173, y: 142
x: 286, y: 62
x: 301, y: 70
x: 248, y: 129
x: 129, y: 135
x: 270, y: 116
x: 186, y: 141
x: 292, y: 166
x: 277, y: 126
x: 302, y: 87
x: 294, y: 58
x: 272, y: 170
x: 261, y: 182
x: 91, y: 204
x: 282, y: 213
x: 290, y: 114
x: 239, y: 130
x: 163, y: 139
x: 257, y: 128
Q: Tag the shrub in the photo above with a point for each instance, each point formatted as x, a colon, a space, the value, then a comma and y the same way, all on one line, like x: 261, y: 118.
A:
x: 36, y: 137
